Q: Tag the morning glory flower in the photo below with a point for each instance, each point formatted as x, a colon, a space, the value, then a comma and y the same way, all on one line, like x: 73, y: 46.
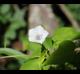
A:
x: 37, y: 34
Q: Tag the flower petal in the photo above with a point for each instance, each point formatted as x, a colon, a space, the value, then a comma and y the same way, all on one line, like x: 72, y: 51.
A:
x: 37, y: 34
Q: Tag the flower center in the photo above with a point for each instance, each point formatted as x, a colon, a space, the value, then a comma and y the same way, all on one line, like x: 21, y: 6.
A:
x: 38, y: 37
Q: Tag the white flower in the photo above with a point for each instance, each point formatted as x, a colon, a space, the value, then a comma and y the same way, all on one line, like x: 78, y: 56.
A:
x: 37, y: 34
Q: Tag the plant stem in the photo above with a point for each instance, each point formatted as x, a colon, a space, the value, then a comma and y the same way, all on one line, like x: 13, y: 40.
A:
x: 3, y: 57
x: 5, y: 43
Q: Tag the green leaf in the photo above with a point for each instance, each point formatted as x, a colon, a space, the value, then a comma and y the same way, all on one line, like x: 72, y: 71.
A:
x: 14, y: 53
x: 5, y: 8
x: 48, y: 44
x: 17, y: 24
x: 9, y: 51
x: 35, y: 49
x: 63, y: 54
x: 32, y: 64
x: 64, y: 33
x: 19, y: 15
x: 8, y: 16
x: 10, y: 34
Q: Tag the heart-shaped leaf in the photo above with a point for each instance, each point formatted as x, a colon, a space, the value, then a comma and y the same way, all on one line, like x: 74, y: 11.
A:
x: 63, y: 54
x: 64, y: 33
x: 35, y: 49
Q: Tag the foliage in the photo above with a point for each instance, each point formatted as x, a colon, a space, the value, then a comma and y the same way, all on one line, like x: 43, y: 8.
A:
x: 16, y: 20
x: 56, y: 53
x: 64, y: 33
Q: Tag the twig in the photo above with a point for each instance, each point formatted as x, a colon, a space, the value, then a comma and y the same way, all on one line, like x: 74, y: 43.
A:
x: 69, y: 16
